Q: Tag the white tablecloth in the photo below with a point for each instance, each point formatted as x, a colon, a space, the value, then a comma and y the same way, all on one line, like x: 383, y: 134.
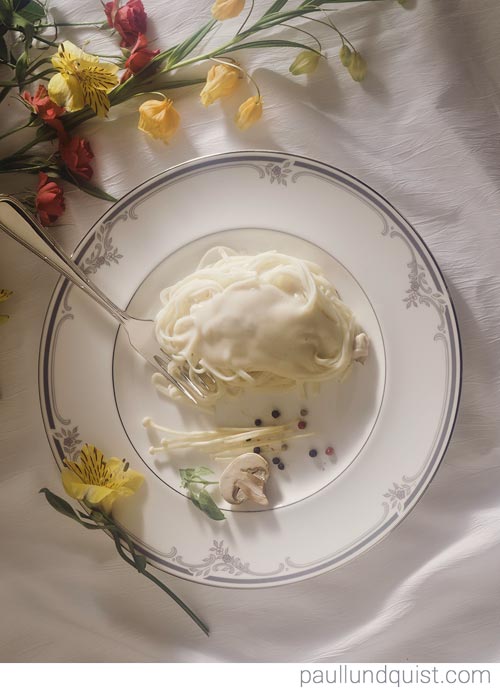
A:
x: 423, y: 130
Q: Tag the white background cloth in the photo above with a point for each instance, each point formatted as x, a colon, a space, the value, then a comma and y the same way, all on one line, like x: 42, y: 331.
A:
x: 423, y: 130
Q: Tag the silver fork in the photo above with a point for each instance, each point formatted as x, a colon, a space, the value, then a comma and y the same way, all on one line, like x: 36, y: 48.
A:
x: 19, y: 224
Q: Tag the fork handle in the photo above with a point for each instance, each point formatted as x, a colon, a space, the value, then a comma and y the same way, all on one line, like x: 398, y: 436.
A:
x: 24, y: 228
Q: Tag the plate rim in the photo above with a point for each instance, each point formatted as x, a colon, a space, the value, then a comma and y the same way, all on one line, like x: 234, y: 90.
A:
x: 310, y: 572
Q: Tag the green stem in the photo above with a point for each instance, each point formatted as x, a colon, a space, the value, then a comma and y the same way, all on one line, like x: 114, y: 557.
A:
x: 45, y: 41
x: 117, y: 533
x: 13, y: 131
x: 246, y: 18
x: 39, y: 138
x: 297, y: 28
x: 47, y: 26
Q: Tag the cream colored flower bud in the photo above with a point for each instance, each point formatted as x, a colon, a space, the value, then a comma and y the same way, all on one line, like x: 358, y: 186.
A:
x: 357, y: 67
x: 249, y: 112
x: 227, y: 9
x: 221, y: 82
x: 305, y: 63
x: 159, y: 119
x: 345, y: 55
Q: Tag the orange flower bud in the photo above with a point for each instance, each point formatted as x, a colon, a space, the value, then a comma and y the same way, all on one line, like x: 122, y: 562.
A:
x: 227, y: 9
x: 221, y: 81
x: 159, y: 119
x: 249, y: 112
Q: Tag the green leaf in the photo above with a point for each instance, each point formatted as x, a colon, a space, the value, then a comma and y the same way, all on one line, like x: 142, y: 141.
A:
x: 33, y: 11
x: 86, y: 186
x: 5, y: 14
x: 4, y: 92
x: 62, y: 506
x: 21, y: 67
x: 270, y: 43
x: 275, y: 7
x: 207, y: 505
x: 194, y: 475
x: 19, y: 22
x: 18, y: 4
x: 4, y: 51
x: 59, y: 504
x: 189, y: 44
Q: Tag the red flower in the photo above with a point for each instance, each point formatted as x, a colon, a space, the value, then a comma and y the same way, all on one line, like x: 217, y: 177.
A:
x: 46, y: 109
x: 129, y: 20
x: 76, y: 155
x: 49, y: 200
x: 139, y: 58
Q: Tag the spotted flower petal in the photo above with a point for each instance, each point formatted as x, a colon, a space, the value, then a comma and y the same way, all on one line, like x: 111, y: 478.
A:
x: 99, y: 481
x: 82, y: 80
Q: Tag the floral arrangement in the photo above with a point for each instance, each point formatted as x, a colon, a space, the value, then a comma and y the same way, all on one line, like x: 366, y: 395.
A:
x: 61, y: 86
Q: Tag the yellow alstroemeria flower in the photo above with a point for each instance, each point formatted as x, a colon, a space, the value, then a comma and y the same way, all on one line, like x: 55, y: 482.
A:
x: 4, y: 295
x: 159, y: 119
x: 249, y: 112
x: 82, y: 80
x: 221, y: 81
x: 99, y: 481
x: 227, y: 9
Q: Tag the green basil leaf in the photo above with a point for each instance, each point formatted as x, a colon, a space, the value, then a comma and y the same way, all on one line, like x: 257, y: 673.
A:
x: 207, y: 505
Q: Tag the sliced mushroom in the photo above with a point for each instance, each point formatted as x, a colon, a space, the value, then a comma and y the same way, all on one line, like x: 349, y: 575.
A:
x: 361, y: 346
x: 245, y: 478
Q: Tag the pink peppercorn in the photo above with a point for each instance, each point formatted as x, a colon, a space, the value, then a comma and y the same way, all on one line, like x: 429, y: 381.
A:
x: 301, y: 424
x: 329, y: 451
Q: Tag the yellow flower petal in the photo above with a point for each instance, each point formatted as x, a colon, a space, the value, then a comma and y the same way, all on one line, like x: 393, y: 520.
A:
x: 97, y: 480
x: 96, y: 493
x: 134, y: 480
x: 159, y: 119
x: 227, y: 9
x: 73, y: 485
x: 249, y: 112
x: 58, y: 89
x: 66, y: 91
x: 221, y: 82
x: 83, y: 80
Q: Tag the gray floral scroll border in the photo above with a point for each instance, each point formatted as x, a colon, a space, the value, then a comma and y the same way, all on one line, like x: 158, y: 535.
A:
x: 103, y: 253
x: 277, y: 169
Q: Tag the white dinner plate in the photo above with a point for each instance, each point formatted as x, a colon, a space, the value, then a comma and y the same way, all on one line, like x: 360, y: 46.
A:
x: 389, y: 423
